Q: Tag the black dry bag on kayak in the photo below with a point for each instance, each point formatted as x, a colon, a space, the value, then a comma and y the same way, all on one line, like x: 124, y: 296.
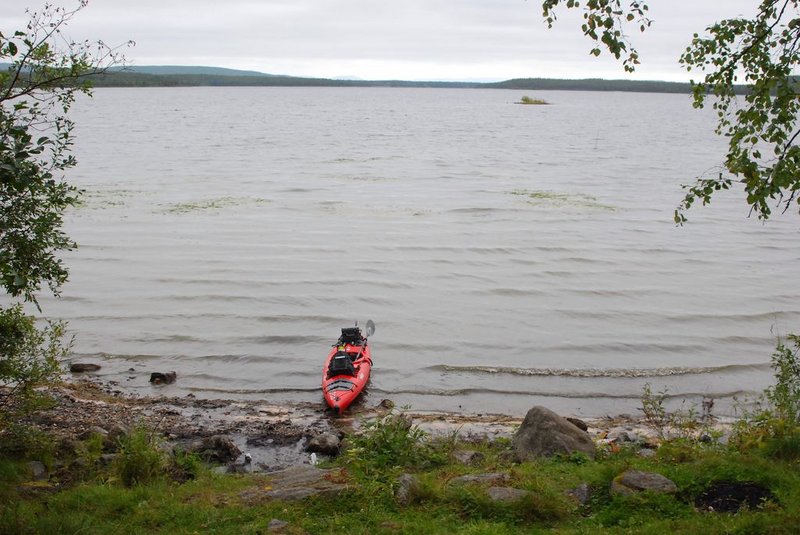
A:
x: 352, y: 336
x: 341, y: 365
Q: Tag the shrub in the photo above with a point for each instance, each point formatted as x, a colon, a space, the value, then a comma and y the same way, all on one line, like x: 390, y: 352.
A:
x: 140, y: 458
x: 29, y: 358
x: 785, y: 395
x: 390, y: 443
x: 682, y: 423
x: 185, y: 466
x: 774, y: 423
x: 25, y: 442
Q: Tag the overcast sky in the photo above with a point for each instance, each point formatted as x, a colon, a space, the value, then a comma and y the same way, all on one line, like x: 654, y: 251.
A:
x: 375, y: 39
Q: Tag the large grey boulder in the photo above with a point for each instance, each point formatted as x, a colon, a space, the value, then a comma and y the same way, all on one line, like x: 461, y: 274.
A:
x: 635, y: 481
x: 324, y: 443
x: 544, y: 433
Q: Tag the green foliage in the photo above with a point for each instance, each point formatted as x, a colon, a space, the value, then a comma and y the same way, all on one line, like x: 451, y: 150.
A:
x: 683, y: 423
x: 29, y: 358
x: 46, y: 72
x: 36, y: 92
x: 774, y: 424
x: 140, y: 459
x: 784, y: 396
x: 184, y: 466
x: 763, y: 52
x: 604, y: 23
x: 19, y: 441
x: 529, y: 100
x: 388, y: 444
x: 213, y: 503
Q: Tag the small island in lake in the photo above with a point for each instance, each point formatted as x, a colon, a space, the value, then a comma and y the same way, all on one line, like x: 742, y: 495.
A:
x: 528, y: 100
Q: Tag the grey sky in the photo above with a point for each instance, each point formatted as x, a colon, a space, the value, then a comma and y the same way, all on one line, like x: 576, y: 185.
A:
x: 374, y: 39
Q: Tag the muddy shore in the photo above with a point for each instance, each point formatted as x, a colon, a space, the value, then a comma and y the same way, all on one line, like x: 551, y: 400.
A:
x: 274, y: 436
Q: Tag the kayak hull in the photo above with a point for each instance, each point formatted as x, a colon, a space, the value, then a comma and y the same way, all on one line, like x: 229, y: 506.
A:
x: 340, y: 390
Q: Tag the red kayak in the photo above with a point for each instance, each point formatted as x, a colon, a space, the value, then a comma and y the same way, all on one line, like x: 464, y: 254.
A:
x: 347, y: 368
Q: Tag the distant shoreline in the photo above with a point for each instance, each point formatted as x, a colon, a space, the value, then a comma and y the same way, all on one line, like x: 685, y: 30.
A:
x: 212, y: 77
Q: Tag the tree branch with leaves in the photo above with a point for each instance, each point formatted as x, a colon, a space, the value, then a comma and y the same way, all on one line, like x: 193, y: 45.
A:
x: 760, y: 53
x: 47, y: 71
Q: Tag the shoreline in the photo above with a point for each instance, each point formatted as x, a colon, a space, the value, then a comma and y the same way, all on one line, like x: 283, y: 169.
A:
x: 274, y: 436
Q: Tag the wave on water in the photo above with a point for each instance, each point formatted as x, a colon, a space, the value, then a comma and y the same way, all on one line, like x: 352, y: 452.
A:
x: 600, y: 372
x: 561, y: 395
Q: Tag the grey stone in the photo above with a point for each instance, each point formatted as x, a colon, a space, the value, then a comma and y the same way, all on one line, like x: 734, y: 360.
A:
x: 276, y: 525
x: 38, y: 470
x: 491, y: 478
x: 107, y: 458
x: 621, y: 435
x: 506, y: 494
x: 83, y: 367
x: 468, y: 457
x: 325, y: 443
x: 159, y: 378
x: 635, y: 481
x: 647, y: 453
x: 217, y: 448
x: 94, y: 430
x: 577, y: 422
x: 543, y: 433
x: 405, y: 486
x: 581, y: 494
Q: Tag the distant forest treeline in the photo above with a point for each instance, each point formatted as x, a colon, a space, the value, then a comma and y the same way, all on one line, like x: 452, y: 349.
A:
x: 140, y: 79
x: 189, y: 76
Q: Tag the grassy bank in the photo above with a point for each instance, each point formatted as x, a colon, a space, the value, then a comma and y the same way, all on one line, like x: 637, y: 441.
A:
x: 391, y: 477
x: 184, y: 496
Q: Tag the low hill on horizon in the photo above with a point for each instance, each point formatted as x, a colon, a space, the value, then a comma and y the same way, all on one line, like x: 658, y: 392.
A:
x: 187, y: 69
x: 199, y: 76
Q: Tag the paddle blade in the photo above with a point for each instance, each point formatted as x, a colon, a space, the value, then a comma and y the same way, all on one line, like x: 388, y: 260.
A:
x: 370, y: 328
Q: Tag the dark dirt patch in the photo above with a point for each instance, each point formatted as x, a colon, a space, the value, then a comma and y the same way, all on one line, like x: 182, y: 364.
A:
x: 732, y: 496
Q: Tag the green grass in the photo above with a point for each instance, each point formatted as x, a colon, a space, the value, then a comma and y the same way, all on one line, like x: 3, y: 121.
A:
x: 105, y: 503
x: 211, y: 504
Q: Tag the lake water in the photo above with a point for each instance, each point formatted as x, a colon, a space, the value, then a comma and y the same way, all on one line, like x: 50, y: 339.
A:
x: 509, y: 255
